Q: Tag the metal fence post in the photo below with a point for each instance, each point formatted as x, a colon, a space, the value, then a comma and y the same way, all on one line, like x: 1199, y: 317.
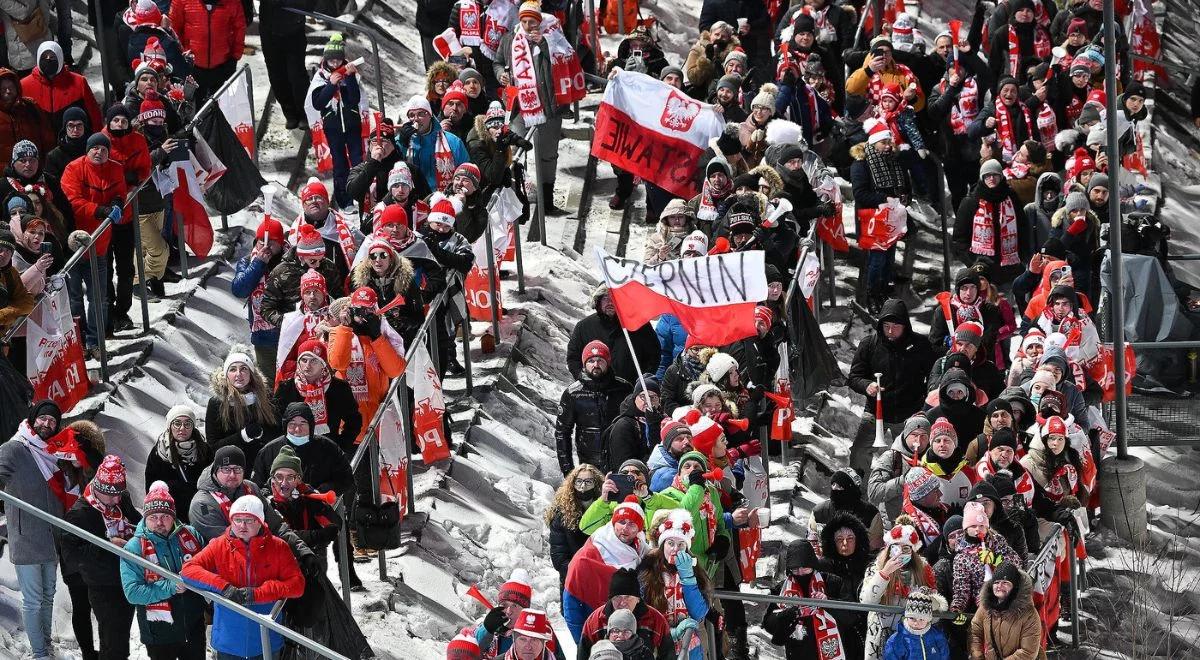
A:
x: 182, y: 241
x: 406, y: 416
x: 538, y: 145
x: 141, y: 266
x: 378, y: 497
x: 368, y: 33
x: 434, y: 331
x: 621, y: 17
x: 465, y: 329
x: 98, y: 311
x: 491, y: 259
x: 264, y: 633
x: 253, y: 121
x: 520, y: 264
x: 344, y: 550
x: 1073, y: 588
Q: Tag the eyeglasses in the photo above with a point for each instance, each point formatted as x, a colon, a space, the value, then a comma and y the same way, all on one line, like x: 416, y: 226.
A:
x: 585, y: 483
x: 230, y: 469
x: 291, y: 479
x: 182, y: 424
x: 631, y: 472
x: 377, y: 256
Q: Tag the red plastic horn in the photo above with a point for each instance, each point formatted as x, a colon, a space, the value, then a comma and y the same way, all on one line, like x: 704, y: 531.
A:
x: 475, y: 593
x: 328, y: 497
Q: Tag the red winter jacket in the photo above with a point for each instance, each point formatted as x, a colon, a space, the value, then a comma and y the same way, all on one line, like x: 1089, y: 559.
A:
x: 216, y: 36
x: 22, y: 120
x: 64, y: 90
x: 266, y: 564
x: 87, y: 187
x: 133, y: 153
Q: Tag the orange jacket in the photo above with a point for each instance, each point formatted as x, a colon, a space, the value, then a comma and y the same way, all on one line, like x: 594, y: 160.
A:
x: 89, y: 186
x: 382, y: 365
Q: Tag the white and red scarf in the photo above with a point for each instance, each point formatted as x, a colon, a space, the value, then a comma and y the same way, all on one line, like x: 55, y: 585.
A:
x: 707, y: 208
x: 892, y: 119
x: 257, y: 322
x: 676, y: 607
x: 966, y: 108
x: 524, y: 75
x: 1006, y: 134
x: 314, y: 395
x: 1064, y: 482
x: 1047, y: 126
x: 225, y: 502
x: 875, y: 87
x: 1041, y: 48
x: 983, y: 235
x: 707, y: 510
x: 443, y: 161
x: 470, y: 28
x: 189, y: 545
x: 565, y: 69
x: 828, y: 639
x: 356, y: 372
x: 930, y: 529
x: 1024, y: 483
x: 499, y: 15
x: 116, y: 525
x: 47, y: 454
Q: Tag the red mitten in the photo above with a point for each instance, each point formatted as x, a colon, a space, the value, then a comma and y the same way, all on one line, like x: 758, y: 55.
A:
x: 752, y: 448
x: 1078, y: 226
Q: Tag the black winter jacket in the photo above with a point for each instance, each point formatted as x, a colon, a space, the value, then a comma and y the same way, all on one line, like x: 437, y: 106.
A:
x: 98, y: 567
x: 283, y: 287
x: 220, y: 435
x: 903, y: 363
x: 633, y: 434
x: 587, y: 408
x: 325, y: 466
x: 344, y: 419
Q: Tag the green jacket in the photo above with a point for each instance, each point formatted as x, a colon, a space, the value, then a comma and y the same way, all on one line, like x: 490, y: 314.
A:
x: 691, y: 501
x: 600, y: 512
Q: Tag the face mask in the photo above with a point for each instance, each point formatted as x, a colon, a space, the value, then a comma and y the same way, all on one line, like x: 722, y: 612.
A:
x: 1035, y: 397
x: 298, y: 440
x: 119, y: 132
x: 154, y: 131
x: 48, y: 67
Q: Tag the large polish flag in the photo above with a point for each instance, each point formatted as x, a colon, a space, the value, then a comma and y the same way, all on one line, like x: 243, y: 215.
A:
x: 713, y: 296
x: 654, y: 131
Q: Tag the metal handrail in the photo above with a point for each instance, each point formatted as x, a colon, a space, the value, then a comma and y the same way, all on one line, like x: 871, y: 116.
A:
x: 365, y: 31
x: 822, y: 603
x: 142, y: 562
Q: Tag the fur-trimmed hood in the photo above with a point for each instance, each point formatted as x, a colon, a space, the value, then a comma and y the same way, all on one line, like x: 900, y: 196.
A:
x: 434, y: 70
x: 772, y: 177
x: 482, y: 133
x: 402, y: 272
x: 87, y: 431
x: 1021, y: 602
x: 859, y: 151
x: 1060, y: 216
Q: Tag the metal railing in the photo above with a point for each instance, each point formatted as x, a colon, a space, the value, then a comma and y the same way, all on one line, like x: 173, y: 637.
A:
x: 360, y: 29
x: 265, y: 623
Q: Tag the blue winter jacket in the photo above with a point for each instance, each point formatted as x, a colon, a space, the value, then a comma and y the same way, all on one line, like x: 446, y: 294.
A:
x: 671, y: 338
x: 663, y: 467
x: 186, y: 608
x: 418, y: 151
x: 903, y: 645
x: 247, y: 273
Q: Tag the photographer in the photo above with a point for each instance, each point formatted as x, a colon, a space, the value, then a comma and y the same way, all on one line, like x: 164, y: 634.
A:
x: 365, y: 338
x: 491, y: 144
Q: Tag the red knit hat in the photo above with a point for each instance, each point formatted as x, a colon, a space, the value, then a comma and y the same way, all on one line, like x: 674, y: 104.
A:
x: 533, y: 623
x: 1077, y: 25
x: 151, y: 108
x: 314, y: 347
x: 272, y: 229
x: 891, y: 91
x: 630, y: 511
x: 145, y: 12
x: 942, y: 427
x: 463, y: 647
x: 469, y: 170
x: 158, y: 500
x: 970, y: 332
x: 443, y: 209
x: 517, y: 589
x: 364, y: 296
x: 764, y: 314
x: 314, y: 188
x: 393, y: 214
x: 596, y: 348
x: 877, y: 131
x: 1054, y: 426
x: 455, y: 93
x: 313, y: 280
x: 705, y: 432
x: 309, y: 242
x: 110, y: 476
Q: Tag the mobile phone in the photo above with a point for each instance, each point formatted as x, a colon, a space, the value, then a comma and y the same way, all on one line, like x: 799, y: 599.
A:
x: 625, y: 485
x: 46, y: 247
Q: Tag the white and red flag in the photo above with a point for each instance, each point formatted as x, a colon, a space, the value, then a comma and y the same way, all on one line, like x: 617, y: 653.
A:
x: 713, y: 296
x: 429, y: 408
x: 54, y: 359
x: 393, y: 462
x: 235, y: 105
x: 654, y: 131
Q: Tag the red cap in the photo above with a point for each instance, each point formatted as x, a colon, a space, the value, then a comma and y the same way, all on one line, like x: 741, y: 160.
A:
x: 533, y: 623
x: 1054, y: 426
x: 272, y: 229
x: 316, y: 348
x: 364, y: 296
x: 463, y: 647
x: 596, y: 348
x: 145, y: 12
x: 393, y: 214
x: 314, y: 188
x: 313, y: 280
x: 517, y: 589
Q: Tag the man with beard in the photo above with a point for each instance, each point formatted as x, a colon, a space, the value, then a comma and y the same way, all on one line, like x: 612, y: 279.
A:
x: 902, y: 357
x: 423, y: 144
x: 455, y: 119
x: 340, y: 237
x: 603, y: 324
x: 795, y: 627
x: 988, y: 224
x: 961, y: 306
x: 619, y: 544
x: 282, y: 292
x: 588, y: 407
x: 664, y: 460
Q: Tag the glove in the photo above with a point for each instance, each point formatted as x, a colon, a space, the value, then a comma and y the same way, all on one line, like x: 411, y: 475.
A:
x: 495, y: 621
x: 923, y: 153
x: 686, y: 566
x: 521, y: 143
x: 367, y: 323
x: 1078, y: 226
x: 239, y: 595
x: 961, y: 619
x: 752, y: 448
x: 407, y: 130
x: 310, y: 565
x: 989, y: 558
x: 103, y: 212
x: 252, y: 432
x: 759, y: 135
x: 696, y: 478
x: 719, y: 548
x: 682, y: 627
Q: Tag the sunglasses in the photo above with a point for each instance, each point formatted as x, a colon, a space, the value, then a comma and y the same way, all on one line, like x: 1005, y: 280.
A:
x: 376, y: 256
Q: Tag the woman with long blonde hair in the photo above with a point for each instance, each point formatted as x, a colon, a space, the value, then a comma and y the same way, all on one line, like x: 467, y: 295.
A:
x: 579, y: 489
x: 240, y: 411
x: 897, y: 570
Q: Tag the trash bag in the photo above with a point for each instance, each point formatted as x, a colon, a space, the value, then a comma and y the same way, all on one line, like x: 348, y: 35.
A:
x: 16, y: 395
x: 320, y: 615
x: 242, y: 183
x: 813, y: 366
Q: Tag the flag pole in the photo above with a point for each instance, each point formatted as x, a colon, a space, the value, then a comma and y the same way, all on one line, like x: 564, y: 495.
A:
x: 633, y: 354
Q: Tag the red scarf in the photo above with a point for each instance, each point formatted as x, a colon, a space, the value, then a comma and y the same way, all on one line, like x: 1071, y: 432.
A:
x: 356, y: 373
x: 1041, y: 48
x: 986, y: 468
x: 892, y: 119
x: 828, y: 639
x: 116, y: 525
x: 1064, y: 482
x: 314, y: 396
x: 257, y: 322
x: 966, y: 107
x: 930, y: 529
x: 189, y: 545
x: 707, y: 208
x: 470, y: 30
x: 983, y: 235
x: 524, y: 76
x: 225, y: 502
x: 1005, y: 132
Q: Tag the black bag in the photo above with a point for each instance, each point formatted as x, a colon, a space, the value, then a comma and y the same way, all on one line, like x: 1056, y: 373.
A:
x: 378, y: 525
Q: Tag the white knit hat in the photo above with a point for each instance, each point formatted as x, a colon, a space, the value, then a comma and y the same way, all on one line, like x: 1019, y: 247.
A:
x: 182, y: 410
x: 248, y: 504
x: 696, y: 241
x: 237, y: 357
x: 677, y: 525
x: 417, y: 102
x: 719, y: 365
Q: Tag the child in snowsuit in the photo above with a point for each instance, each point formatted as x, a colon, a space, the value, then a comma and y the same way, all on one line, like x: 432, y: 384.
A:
x: 917, y: 638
